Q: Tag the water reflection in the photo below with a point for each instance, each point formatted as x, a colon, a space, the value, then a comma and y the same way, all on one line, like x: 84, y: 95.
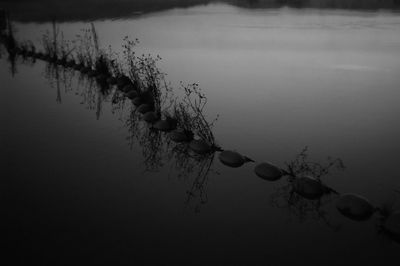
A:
x: 303, y: 196
x: 303, y: 209
x: 8, y: 42
x: 156, y: 147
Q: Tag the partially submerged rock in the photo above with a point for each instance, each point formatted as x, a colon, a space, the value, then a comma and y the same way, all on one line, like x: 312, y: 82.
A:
x: 232, y: 158
x: 200, y: 146
x: 79, y: 67
x: 92, y: 73
x: 60, y: 61
x: 355, y: 207
x: 308, y: 187
x: 144, y: 108
x: 150, y: 117
x: 123, y: 81
x: 85, y: 70
x: 128, y: 88
x: 70, y: 63
x: 131, y: 94
x: 137, y: 101
x: 268, y: 171
x: 39, y: 55
x: 112, y: 80
x: 102, y: 78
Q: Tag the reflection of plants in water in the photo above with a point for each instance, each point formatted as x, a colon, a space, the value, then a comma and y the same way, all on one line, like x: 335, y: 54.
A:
x: 52, y: 73
x: 58, y: 77
x: 8, y: 41
x: 12, y: 59
x: 2, y: 51
x: 288, y: 196
x: 197, y: 194
x: 132, y: 123
x: 192, y: 168
x: 388, y: 221
x: 118, y: 105
x: 8, y: 38
x: 152, y: 144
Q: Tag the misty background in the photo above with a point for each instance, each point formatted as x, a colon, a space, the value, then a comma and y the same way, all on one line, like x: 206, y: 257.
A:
x: 45, y: 10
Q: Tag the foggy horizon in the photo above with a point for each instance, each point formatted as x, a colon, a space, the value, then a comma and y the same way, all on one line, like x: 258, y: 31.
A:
x: 74, y: 10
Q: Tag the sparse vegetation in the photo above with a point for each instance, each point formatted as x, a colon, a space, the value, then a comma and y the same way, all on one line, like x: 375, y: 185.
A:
x: 190, y: 114
x: 302, y: 165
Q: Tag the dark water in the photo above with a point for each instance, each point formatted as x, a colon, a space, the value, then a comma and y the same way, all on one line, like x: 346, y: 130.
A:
x: 82, y: 184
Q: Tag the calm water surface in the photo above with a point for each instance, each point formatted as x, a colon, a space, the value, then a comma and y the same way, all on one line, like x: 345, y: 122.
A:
x: 79, y: 184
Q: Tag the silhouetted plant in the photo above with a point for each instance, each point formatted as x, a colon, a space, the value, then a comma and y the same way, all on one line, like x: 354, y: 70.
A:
x: 190, y: 113
x: 86, y: 49
x: 130, y: 58
x: 301, y: 165
x: 64, y: 49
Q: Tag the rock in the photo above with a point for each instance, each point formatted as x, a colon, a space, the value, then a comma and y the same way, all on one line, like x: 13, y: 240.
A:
x: 150, y: 117
x: 308, y: 187
x: 78, y: 67
x: 131, y: 94
x: 181, y: 136
x: 70, y: 63
x: 173, y: 123
x: 112, y: 80
x: 85, y: 70
x: 144, y: 108
x: 123, y: 81
x: 200, y: 146
x: 231, y: 158
x: 92, y: 73
x: 137, y: 101
x: 40, y: 56
x: 128, y: 88
x: 354, y: 207
x: 163, y: 125
x: 102, y: 78
x: 268, y: 171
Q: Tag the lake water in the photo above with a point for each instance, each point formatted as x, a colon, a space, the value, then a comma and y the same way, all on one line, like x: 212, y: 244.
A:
x: 80, y: 185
